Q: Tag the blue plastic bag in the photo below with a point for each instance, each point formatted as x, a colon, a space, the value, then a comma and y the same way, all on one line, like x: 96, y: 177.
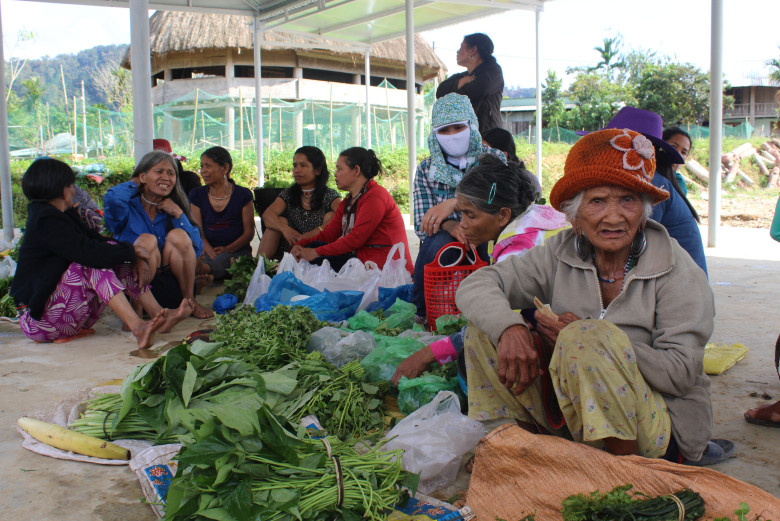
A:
x: 287, y: 289
x: 224, y: 303
x: 388, y: 296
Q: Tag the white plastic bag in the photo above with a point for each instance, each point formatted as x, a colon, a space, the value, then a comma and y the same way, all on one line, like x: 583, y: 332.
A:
x: 353, y: 276
x: 258, y: 284
x: 394, y: 273
x: 434, y: 439
x: 7, y: 267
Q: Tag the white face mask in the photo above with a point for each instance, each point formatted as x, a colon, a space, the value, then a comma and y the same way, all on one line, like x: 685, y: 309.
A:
x: 455, y: 145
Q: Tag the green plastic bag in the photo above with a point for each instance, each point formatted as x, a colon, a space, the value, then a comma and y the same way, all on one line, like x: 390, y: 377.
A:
x: 381, y: 363
x: 449, y: 324
x: 416, y: 392
x: 363, y: 321
x: 401, y: 318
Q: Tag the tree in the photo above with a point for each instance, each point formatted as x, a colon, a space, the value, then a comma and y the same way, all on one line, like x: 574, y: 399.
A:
x: 115, y: 83
x: 33, y: 95
x: 16, y: 64
x: 774, y: 73
x: 610, y: 54
x: 680, y: 93
x: 596, y: 100
x: 553, y: 105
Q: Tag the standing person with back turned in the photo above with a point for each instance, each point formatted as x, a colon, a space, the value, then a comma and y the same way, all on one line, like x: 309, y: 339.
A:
x: 483, y: 81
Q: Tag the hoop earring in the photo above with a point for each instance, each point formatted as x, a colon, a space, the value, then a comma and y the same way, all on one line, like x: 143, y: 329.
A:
x: 639, y: 244
x: 582, y: 246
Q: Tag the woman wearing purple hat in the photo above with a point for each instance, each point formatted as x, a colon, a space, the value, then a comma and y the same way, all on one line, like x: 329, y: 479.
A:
x: 616, y: 360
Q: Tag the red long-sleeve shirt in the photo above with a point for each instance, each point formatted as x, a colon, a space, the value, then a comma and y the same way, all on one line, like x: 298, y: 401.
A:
x: 378, y: 226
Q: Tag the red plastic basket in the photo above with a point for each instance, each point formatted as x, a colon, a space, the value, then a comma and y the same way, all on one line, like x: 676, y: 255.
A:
x: 441, y: 282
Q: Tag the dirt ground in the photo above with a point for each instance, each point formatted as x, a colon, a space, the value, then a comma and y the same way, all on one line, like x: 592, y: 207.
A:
x: 744, y: 274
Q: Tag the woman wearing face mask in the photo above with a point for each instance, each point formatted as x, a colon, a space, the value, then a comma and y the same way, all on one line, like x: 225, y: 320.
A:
x: 455, y: 144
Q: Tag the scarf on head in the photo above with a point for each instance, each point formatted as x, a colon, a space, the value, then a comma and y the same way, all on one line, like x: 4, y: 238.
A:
x: 350, y: 208
x: 449, y: 109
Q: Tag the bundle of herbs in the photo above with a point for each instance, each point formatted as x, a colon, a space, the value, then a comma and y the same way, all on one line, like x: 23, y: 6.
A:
x: 240, y: 274
x: 621, y: 505
x: 267, y: 339
x: 280, y: 476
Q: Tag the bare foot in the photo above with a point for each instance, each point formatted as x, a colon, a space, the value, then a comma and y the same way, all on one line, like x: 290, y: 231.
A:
x: 144, y: 331
x: 177, y: 315
x: 81, y: 334
x: 202, y: 280
x: 199, y: 311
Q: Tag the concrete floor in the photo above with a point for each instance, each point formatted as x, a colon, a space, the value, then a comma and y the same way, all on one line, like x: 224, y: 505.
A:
x: 745, y: 277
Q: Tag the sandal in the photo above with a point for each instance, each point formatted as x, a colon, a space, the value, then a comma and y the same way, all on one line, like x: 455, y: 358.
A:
x: 717, y: 451
x: 763, y: 416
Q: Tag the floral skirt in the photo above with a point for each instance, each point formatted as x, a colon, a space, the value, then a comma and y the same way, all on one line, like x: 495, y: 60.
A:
x: 78, y: 301
x: 599, y: 388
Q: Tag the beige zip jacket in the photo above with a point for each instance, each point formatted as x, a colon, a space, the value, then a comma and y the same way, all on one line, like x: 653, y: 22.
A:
x: 666, y: 308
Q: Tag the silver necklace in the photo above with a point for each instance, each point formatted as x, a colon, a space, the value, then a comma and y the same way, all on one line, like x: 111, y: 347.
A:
x: 227, y: 196
x: 147, y: 201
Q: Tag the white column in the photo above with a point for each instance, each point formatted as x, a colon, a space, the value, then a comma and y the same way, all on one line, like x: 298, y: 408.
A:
x: 410, y: 102
x: 716, y: 119
x: 258, y: 105
x: 5, y: 157
x: 368, y: 101
x: 538, y: 96
x: 300, y: 107
x: 141, y: 64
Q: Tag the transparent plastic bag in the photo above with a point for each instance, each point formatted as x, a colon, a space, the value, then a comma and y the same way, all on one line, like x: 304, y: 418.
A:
x: 434, y: 438
x: 354, y: 346
x: 394, y: 272
x: 327, y: 336
x: 258, y: 284
x: 381, y: 363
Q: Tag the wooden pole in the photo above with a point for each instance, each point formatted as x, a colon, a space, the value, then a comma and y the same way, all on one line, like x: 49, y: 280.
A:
x: 65, y: 95
x: 100, y: 134
x: 203, y: 127
x: 314, y: 124
x: 241, y: 119
x: 376, y: 130
x: 761, y: 165
x: 84, y: 118
x: 48, y: 123
x: 113, y: 133
x: 331, y: 119
x: 194, y: 123
x: 75, y: 137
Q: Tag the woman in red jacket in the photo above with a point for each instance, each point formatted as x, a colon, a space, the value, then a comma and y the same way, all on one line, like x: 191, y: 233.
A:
x: 367, y: 222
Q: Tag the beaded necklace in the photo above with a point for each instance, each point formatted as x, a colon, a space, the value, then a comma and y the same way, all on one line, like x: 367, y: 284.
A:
x: 227, y: 196
x: 630, y: 263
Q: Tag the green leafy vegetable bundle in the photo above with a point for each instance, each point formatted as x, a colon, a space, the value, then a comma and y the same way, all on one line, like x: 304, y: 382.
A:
x: 620, y: 505
x: 270, y: 339
x: 240, y: 274
x: 278, y: 477
x: 7, y: 305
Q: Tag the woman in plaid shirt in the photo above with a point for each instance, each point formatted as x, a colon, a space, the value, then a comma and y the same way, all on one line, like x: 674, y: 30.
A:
x: 455, y: 144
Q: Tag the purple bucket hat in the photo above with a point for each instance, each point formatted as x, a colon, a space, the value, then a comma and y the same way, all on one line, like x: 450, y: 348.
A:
x: 645, y: 122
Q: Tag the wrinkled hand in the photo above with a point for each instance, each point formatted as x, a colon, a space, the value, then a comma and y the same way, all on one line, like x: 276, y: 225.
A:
x: 299, y: 252
x: 464, y: 80
x: 142, y: 272
x: 518, y: 361
x: 454, y: 229
x: 549, y: 328
x: 169, y: 207
x: 414, y: 365
x: 208, y: 251
x: 291, y: 235
x: 435, y: 216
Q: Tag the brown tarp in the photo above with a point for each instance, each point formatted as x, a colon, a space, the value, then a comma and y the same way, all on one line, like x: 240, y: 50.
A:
x: 517, y: 473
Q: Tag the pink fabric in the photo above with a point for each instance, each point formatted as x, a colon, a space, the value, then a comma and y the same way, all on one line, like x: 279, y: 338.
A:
x: 444, y: 351
x: 78, y: 301
x: 517, y: 244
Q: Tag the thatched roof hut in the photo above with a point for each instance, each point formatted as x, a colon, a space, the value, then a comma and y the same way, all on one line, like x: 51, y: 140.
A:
x: 199, y: 40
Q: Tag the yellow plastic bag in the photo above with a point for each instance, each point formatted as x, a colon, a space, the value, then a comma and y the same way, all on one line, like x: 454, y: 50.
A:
x: 720, y: 357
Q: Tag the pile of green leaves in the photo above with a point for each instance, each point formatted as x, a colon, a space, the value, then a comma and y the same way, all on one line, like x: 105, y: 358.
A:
x: 240, y: 274
x: 620, y: 505
x: 269, y: 339
x: 277, y: 476
x: 7, y: 305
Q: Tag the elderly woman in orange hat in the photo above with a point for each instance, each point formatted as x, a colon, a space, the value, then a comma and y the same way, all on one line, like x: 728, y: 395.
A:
x: 616, y: 359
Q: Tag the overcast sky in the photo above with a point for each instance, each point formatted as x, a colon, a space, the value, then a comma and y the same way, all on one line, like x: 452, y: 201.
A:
x: 570, y: 31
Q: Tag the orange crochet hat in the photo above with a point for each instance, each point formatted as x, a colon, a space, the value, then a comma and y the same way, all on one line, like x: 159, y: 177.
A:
x: 608, y: 157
